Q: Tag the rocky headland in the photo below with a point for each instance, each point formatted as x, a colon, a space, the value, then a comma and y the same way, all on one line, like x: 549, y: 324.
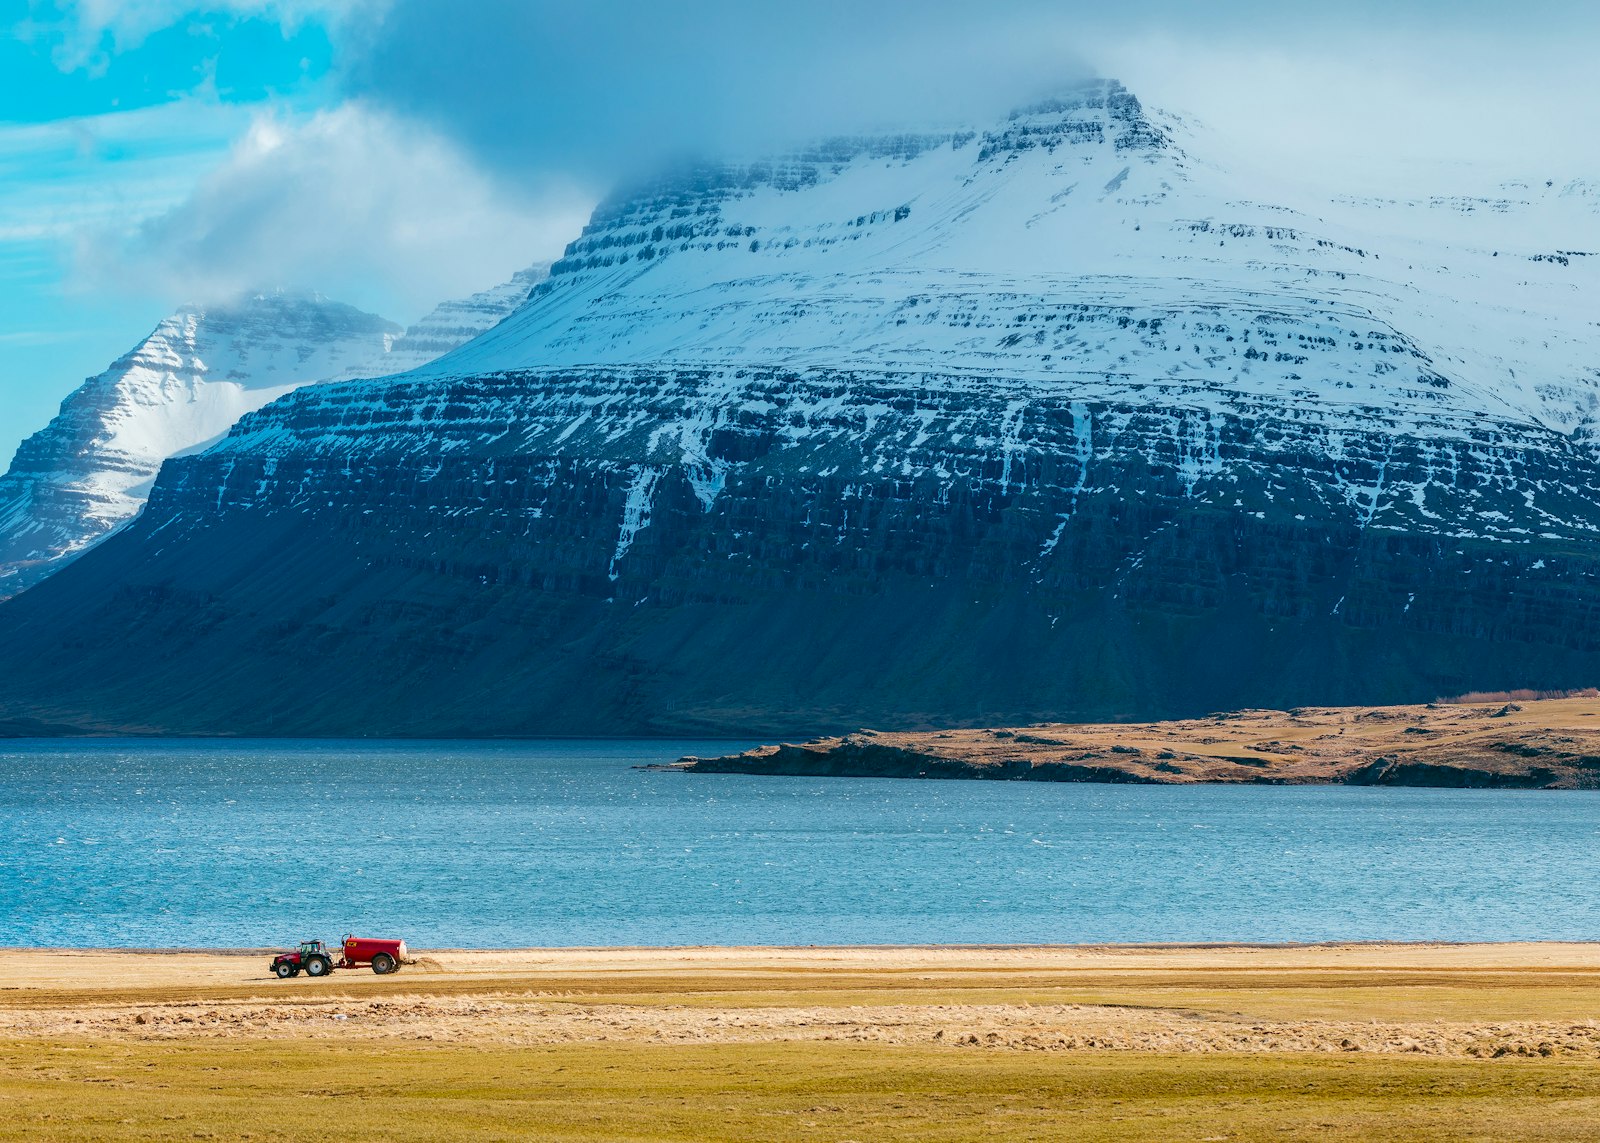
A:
x: 1551, y: 744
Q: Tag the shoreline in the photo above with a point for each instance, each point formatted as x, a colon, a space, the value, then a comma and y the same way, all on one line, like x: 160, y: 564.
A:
x: 96, y: 976
x: 1463, y: 999
x: 1001, y: 946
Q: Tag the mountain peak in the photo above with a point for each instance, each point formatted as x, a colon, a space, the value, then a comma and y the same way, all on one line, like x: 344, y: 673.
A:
x: 1078, y: 95
x: 1094, y: 111
x: 301, y: 309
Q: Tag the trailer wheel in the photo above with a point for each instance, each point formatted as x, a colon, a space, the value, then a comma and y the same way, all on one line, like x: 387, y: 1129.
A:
x: 284, y: 970
x: 318, y: 966
x: 382, y: 963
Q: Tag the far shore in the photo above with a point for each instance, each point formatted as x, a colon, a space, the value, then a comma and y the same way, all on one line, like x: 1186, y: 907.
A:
x: 1503, y: 742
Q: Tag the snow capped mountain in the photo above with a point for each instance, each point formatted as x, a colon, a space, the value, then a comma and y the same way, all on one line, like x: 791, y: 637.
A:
x: 89, y: 471
x: 1062, y: 417
x: 1079, y: 254
x: 1076, y: 256
x: 201, y: 369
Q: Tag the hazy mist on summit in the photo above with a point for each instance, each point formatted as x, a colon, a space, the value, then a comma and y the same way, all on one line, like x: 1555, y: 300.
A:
x: 598, y: 91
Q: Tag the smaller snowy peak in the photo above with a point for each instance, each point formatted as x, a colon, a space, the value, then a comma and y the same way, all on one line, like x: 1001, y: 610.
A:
x: 453, y: 323
x: 179, y: 386
x: 185, y: 384
x: 260, y: 323
x: 88, y: 472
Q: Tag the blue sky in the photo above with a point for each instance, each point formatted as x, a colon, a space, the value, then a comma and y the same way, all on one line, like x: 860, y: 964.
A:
x: 154, y: 153
x: 95, y: 134
x: 394, y: 153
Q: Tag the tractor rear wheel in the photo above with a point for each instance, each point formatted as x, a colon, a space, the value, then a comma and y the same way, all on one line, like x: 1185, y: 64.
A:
x: 382, y: 963
x: 284, y: 970
x: 318, y: 966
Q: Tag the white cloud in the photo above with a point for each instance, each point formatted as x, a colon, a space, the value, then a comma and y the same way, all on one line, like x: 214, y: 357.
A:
x: 351, y: 202
x: 1356, y: 87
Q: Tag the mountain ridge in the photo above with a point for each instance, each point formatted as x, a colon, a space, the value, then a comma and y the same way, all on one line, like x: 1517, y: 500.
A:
x: 1049, y: 421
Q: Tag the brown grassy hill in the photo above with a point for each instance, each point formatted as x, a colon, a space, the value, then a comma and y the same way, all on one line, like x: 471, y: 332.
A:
x: 1521, y: 743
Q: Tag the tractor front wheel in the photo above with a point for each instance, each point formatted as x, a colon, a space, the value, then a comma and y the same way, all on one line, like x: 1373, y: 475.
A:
x: 284, y: 970
x: 318, y: 966
x: 382, y: 963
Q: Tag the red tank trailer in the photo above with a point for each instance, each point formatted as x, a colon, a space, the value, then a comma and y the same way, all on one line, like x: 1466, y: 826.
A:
x: 384, y: 954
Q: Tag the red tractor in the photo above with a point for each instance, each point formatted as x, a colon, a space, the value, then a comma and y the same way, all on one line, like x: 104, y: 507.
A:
x: 382, y: 954
x: 311, y: 956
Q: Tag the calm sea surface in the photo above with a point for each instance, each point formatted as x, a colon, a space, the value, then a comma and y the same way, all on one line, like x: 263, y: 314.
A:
x: 562, y: 843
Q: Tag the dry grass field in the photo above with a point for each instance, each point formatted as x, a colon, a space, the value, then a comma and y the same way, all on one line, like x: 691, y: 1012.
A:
x: 1326, y: 1042
x: 1501, y: 741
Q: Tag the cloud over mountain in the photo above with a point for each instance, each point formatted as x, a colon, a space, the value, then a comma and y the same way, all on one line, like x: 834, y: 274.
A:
x: 352, y: 201
x: 532, y: 86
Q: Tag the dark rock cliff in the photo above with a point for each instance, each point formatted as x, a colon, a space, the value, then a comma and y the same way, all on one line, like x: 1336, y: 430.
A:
x: 462, y: 589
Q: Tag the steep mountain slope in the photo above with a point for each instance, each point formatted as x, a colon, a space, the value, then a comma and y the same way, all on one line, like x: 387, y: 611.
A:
x: 90, y: 469
x: 1054, y: 419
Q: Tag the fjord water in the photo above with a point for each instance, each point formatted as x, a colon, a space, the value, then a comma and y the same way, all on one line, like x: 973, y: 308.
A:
x: 180, y: 843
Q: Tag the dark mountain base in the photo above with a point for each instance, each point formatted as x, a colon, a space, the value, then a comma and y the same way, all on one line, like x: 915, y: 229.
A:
x: 33, y: 728
x: 305, y: 582
x: 281, y: 625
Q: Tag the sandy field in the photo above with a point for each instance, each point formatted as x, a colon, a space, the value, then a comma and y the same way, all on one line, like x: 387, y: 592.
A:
x: 1445, y: 1000
x: 1329, y: 1041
